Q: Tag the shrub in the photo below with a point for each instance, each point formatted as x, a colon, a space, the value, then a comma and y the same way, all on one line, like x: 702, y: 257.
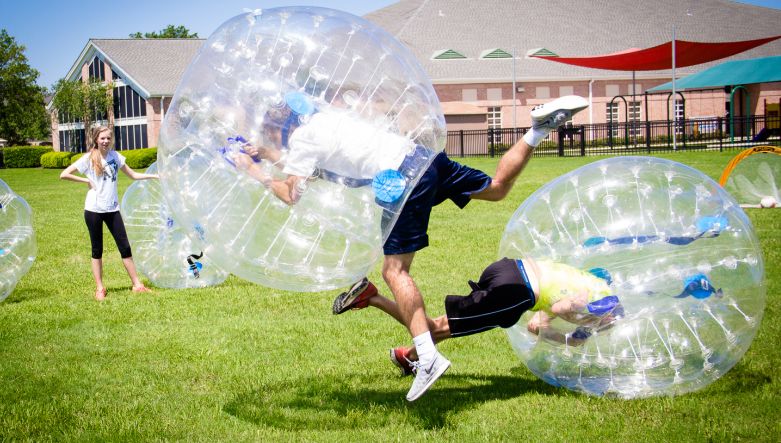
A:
x: 140, y: 158
x: 24, y: 156
x: 56, y: 160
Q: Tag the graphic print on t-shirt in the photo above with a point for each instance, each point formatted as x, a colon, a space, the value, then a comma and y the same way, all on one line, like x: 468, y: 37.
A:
x: 110, y: 170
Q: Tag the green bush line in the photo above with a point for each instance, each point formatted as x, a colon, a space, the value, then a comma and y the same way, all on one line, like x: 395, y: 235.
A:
x: 44, y: 156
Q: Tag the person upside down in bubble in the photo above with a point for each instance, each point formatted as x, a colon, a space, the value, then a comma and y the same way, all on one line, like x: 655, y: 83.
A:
x: 330, y: 144
x: 325, y: 140
x: 507, y: 289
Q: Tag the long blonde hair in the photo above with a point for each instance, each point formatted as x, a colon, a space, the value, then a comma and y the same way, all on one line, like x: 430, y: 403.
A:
x: 94, y: 152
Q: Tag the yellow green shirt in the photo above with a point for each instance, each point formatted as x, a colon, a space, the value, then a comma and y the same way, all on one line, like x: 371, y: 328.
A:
x: 558, y: 281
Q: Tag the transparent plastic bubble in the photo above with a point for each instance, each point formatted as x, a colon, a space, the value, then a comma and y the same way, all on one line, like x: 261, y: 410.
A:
x: 169, y: 254
x: 17, y: 239
x: 755, y: 180
x: 684, y: 264
x: 331, y: 98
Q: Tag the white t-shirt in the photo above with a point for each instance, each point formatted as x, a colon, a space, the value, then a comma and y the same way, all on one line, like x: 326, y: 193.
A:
x: 335, y: 141
x: 103, y: 197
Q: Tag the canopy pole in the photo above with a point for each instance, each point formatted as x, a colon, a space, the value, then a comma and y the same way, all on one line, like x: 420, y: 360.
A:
x: 634, y: 103
x: 675, y: 100
x: 515, y: 122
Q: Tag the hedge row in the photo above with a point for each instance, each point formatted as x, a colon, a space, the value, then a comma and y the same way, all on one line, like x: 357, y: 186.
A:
x: 54, y: 160
x: 37, y: 156
x: 24, y: 156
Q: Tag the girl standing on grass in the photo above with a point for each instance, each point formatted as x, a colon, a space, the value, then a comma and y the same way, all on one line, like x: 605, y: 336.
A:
x: 100, y: 167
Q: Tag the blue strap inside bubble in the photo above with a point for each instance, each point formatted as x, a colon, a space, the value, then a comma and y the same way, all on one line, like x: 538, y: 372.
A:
x: 603, y: 305
x: 714, y: 224
x: 602, y: 273
x: 389, y: 185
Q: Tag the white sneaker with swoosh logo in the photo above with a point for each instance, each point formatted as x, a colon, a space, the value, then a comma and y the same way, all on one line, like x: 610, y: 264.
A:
x: 426, y: 374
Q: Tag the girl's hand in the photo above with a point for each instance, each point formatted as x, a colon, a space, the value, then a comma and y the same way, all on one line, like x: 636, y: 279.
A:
x: 90, y: 185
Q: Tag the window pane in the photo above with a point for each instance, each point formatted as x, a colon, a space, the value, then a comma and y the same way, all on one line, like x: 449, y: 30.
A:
x: 123, y: 131
x: 144, y: 141
x: 136, y: 136
x: 122, y: 104
x: 115, y: 96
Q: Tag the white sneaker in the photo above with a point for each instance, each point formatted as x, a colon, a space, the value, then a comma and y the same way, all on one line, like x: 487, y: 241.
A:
x: 553, y: 114
x: 426, y: 374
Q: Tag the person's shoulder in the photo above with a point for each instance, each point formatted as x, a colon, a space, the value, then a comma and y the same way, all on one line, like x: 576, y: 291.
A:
x: 115, y: 154
x: 83, y: 160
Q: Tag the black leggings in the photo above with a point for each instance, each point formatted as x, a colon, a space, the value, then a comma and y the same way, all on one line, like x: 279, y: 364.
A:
x: 115, y: 225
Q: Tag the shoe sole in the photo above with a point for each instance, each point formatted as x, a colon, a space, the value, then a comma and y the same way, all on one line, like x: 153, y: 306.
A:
x: 441, y: 370
x: 398, y: 364
x: 345, y: 299
x: 572, y: 107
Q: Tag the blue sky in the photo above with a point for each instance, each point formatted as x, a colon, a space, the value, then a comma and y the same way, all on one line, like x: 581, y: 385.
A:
x: 55, y: 31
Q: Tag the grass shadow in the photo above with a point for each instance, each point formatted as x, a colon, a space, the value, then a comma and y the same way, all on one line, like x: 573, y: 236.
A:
x: 333, y: 403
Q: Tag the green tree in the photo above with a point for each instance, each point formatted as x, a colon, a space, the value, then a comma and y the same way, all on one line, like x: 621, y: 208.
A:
x: 85, y: 102
x: 22, y: 111
x: 169, y: 32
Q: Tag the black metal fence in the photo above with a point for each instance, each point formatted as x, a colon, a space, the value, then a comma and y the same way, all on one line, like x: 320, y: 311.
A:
x: 630, y: 138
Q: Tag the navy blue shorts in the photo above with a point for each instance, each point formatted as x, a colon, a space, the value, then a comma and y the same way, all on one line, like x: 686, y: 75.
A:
x: 444, y: 179
x: 498, y: 300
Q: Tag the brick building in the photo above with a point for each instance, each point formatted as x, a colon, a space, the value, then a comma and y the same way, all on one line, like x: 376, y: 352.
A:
x: 474, y: 54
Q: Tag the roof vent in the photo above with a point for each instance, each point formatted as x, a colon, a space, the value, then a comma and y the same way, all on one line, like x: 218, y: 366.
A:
x: 448, y: 54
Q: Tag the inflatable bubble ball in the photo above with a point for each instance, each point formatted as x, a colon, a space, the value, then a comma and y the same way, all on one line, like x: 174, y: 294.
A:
x: 753, y: 177
x: 681, y: 262
x: 169, y: 254
x: 17, y: 239
x: 293, y: 140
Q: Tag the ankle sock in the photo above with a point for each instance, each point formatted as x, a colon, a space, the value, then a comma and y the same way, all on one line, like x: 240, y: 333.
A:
x: 534, y: 136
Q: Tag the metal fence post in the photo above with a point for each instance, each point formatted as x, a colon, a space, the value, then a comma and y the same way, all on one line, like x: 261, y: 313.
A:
x: 490, y: 142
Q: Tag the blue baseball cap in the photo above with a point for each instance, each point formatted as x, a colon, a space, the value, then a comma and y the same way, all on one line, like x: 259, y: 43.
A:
x: 698, y: 286
x: 300, y: 103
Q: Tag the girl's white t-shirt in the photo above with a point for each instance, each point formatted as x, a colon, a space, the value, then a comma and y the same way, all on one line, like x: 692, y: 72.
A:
x: 103, y: 197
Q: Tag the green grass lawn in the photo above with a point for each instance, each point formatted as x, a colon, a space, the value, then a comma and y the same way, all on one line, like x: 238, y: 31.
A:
x: 240, y: 362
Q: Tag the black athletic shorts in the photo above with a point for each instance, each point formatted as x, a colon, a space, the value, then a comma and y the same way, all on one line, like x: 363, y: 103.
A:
x: 499, y: 299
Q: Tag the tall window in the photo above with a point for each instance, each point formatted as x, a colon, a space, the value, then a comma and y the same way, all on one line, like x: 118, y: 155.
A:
x: 128, y: 103
x: 130, y: 137
x: 72, y: 140
x: 97, y: 70
x: 678, y: 117
x: 495, y: 121
x: 612, y: 115
x: 635, y: 111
